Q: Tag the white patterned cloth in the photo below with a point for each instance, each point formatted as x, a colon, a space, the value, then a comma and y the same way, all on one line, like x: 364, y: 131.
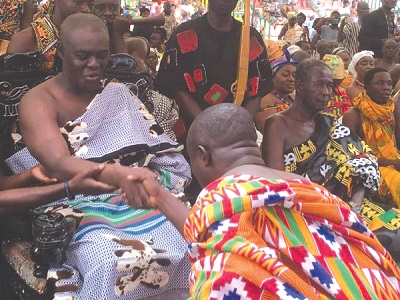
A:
x: 118, y: 252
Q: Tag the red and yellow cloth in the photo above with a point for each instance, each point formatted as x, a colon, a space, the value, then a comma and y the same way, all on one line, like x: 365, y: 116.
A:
x: 10, y: 17
x: 272, y: 239
x: 47, y: 38
x: 339, y: 104
x: 378, y: 126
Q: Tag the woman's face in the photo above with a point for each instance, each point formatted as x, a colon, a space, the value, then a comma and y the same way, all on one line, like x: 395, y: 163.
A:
x: 364, y: 64
x: 284, y: 80
x: 152, y: 60
x: 346, y: 59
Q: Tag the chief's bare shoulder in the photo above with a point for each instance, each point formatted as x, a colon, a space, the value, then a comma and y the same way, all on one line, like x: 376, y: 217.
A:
x: 42, y: 93
x: 40, y: 100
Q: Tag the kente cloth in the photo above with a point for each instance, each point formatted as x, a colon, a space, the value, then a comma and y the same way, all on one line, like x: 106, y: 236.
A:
x: 378, y: 125
x: 278, y: 106
x: 333, y: 157
x: 10, y: 17
x: 347, y: 80
x: 339, y: 104
x: 255, y: 238
x: 116, y: 128
x: 47, y: 38
x: 203, y: 62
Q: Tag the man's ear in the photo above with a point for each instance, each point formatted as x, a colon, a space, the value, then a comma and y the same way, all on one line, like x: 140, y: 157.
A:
x: 299, y: 86
x: 205, y: 155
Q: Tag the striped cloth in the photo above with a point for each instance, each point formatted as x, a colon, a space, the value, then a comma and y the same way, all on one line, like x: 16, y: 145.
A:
x: 117, y: 252
x: 350, y: 42
x: 254, y: 238
x: 378, y: 125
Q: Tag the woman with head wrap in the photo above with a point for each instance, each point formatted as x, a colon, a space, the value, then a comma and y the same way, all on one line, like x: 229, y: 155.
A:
x: 283, y: 72
x: 344, y: 54
x: 273, y: 49
x: 339, y: 102
x: 359, y: 65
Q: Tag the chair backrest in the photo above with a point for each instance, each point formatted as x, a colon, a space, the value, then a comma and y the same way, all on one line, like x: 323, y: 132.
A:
x: 18, y: 74
x: 125, y: 69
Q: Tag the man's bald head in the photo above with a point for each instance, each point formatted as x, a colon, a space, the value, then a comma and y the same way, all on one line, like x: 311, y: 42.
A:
x: 222, y: 126
x: 80, y: 21
x: 219, y: 137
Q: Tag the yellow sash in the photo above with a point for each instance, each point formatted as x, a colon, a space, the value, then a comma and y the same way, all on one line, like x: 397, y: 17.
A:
x: 378, y: 126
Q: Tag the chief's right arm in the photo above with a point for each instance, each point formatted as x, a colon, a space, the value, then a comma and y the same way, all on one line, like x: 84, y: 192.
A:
x: 41, y: 134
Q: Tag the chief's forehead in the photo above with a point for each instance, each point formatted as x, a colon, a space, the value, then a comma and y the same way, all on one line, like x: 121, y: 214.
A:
x: 86, y: 34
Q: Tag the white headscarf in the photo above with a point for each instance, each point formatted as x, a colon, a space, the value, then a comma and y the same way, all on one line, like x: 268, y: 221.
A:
x: 293, y: 49
x: 356, y: 58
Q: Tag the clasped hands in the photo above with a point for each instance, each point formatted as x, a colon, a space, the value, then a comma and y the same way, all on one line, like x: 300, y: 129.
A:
x: 140, y: 187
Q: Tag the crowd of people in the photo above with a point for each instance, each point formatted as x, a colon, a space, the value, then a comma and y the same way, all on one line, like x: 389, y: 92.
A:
x: 175, y: 191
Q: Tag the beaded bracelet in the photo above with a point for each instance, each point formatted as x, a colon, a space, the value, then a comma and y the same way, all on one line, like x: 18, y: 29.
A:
x: 68, y: 193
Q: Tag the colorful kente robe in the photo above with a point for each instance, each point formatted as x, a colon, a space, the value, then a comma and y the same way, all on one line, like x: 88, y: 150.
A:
x: 47, y: 38
x: 378, y: 126
x: 347, y: 80
x: 203, y: 62
x: 334, y: 157
x: 254, y: 238
x: 10, y: 17
x: 338, y: 104
x: 117, y: 252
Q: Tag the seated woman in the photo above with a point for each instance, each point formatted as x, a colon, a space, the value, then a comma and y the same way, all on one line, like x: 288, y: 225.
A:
x: 152, y: 61
x: 283, y: 71
x: 339, y: 103
x: 344, y: 54
x: 359, y: 65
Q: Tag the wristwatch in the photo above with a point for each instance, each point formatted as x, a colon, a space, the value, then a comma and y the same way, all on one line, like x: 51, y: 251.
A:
x: 355, y: 207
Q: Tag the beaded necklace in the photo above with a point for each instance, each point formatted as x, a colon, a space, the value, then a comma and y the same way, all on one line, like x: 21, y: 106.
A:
x: 282, y: 99
x: 359, y: 83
